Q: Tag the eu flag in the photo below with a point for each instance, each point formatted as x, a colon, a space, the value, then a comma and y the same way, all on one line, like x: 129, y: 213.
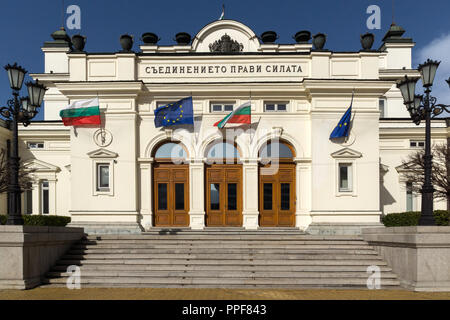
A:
x: 343, y: 127
x: 180, y: 112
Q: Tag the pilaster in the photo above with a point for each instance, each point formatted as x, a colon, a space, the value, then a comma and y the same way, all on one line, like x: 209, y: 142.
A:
x: 250, y: 211
x: 303, y: 193
x: 36, y: 198
x: 196, y: 194
x: 145, y: 193
x: 52, y: 196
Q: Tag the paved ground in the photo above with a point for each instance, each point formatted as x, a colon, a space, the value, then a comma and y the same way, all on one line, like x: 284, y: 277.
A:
x: 215, y: 294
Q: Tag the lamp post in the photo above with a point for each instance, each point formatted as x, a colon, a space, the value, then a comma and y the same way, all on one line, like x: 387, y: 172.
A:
x: 424, y: 107
x: 19, y: 110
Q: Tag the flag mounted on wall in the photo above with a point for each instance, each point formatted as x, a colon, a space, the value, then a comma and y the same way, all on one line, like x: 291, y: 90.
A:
x: 343, y: 127
x: 83, y: 112
x: 180, y: 112
x: 223, y: 13
x: 241, y: 115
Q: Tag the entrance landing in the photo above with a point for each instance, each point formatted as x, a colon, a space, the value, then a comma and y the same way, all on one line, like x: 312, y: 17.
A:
x: 222, y: 258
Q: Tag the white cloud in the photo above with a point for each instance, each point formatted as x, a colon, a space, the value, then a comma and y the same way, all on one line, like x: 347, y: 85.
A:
x: 437, y: 49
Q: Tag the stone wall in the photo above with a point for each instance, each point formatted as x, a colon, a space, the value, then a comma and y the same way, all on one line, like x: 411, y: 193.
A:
x: 28, y: 252
x: 420, y: 256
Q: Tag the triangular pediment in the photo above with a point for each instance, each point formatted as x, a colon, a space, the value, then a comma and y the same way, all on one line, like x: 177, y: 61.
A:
x: 384, y: 168
x: 102, y: 153
x: 346, y: 153
x: 407, y: 167
x: 40, y: 166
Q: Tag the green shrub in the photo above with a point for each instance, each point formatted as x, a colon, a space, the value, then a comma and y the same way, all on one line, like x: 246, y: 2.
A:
x: 442, y: 217
x: 41, y: 220
x: 411, y: 218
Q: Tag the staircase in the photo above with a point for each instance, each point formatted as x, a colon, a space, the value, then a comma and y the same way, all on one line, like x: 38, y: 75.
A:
x: 222, y: 258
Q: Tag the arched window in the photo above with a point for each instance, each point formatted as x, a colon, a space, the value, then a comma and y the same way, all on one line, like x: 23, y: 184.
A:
x: 170, y: 150
x: 222, y: 150
x: 276, y: 150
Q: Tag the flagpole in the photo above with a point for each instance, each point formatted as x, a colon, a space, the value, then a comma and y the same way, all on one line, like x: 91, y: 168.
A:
x: 354, y: 114
x: 256, y: 128
x: 223, y: 12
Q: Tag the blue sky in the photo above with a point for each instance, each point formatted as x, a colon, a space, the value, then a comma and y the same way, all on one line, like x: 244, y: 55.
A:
x: 26, y: 24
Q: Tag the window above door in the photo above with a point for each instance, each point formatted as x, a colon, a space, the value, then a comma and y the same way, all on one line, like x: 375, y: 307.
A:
x: 275, y: 107
x: 170, y: 151
x: 221, y: 107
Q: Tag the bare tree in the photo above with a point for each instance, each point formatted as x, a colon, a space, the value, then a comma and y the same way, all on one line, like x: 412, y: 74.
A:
x: 414, y: 171
x: 25, y: 175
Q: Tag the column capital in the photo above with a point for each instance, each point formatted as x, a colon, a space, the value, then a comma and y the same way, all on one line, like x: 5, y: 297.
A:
x: 146, y: 160
x: 303, y: 160
x: 196, y: 162
x: 250, y: 162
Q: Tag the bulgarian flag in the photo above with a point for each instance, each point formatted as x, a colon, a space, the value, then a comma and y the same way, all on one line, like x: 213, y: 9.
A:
x: 81, y: 112
x: 241, y: 115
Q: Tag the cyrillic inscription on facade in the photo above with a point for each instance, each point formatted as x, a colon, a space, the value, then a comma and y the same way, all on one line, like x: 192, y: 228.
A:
x: 224, y: 70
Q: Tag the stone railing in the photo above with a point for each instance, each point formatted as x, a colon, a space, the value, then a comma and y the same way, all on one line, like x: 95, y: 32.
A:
x: 420, y: 256
x: 28, y: 252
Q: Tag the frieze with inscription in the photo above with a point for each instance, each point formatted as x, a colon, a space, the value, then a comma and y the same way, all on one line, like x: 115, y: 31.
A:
x: 225, y: 69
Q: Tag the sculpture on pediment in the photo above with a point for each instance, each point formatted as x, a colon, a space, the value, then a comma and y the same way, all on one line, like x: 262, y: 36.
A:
x: 226, y: 45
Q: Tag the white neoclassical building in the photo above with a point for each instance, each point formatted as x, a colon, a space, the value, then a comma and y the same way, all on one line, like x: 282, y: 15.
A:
x: 128, y: 174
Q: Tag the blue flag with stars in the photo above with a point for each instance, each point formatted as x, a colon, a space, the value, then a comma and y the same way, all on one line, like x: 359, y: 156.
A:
x: 343, y: 127
x: 180, y: 112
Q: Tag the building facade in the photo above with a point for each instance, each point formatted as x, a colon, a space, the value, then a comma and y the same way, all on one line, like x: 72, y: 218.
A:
x: 130, y: 174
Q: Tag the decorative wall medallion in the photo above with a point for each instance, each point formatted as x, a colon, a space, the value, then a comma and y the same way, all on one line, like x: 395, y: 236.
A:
x: 345, y: 142
x: 350, y: 140
x: 102, y: 137
x: 225, y: 45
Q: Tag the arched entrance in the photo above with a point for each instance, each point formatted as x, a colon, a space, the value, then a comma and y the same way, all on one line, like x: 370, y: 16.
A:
x: 277, y: 185
x: 223, y: 186
x: 170, y: 186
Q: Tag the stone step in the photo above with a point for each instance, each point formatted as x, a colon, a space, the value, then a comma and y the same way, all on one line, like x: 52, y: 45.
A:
x: 230, y: 286
x: 216, y: 243
x: 252, y: 251
x: 366, y: 261
x: 225, y: 232
x: 129, y: 238
x: 218, y: 258
x: 282, y: 282
x: 223, y: 274
x: 220, y: 268
x: 221, y: 244
x: 221, y: 229
x: 222, y: 256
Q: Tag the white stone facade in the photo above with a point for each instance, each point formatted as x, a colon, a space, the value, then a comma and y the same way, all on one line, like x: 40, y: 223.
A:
x: 316, y: 87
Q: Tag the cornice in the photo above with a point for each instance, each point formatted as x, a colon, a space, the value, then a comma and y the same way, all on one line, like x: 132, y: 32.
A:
x: 49, y: 78
x: 329, y: 87
x: 123, y: 89
x: 282, y: 88
x: 396, y: 74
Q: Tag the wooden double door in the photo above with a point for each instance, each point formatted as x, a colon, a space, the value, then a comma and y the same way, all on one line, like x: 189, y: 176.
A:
x: 223, y: 186
x: 171, y: 195
x: 277, y: 196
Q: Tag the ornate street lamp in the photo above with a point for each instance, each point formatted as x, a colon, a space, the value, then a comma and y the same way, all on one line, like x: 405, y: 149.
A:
x: 424, y: 107
x: 19, y: 110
